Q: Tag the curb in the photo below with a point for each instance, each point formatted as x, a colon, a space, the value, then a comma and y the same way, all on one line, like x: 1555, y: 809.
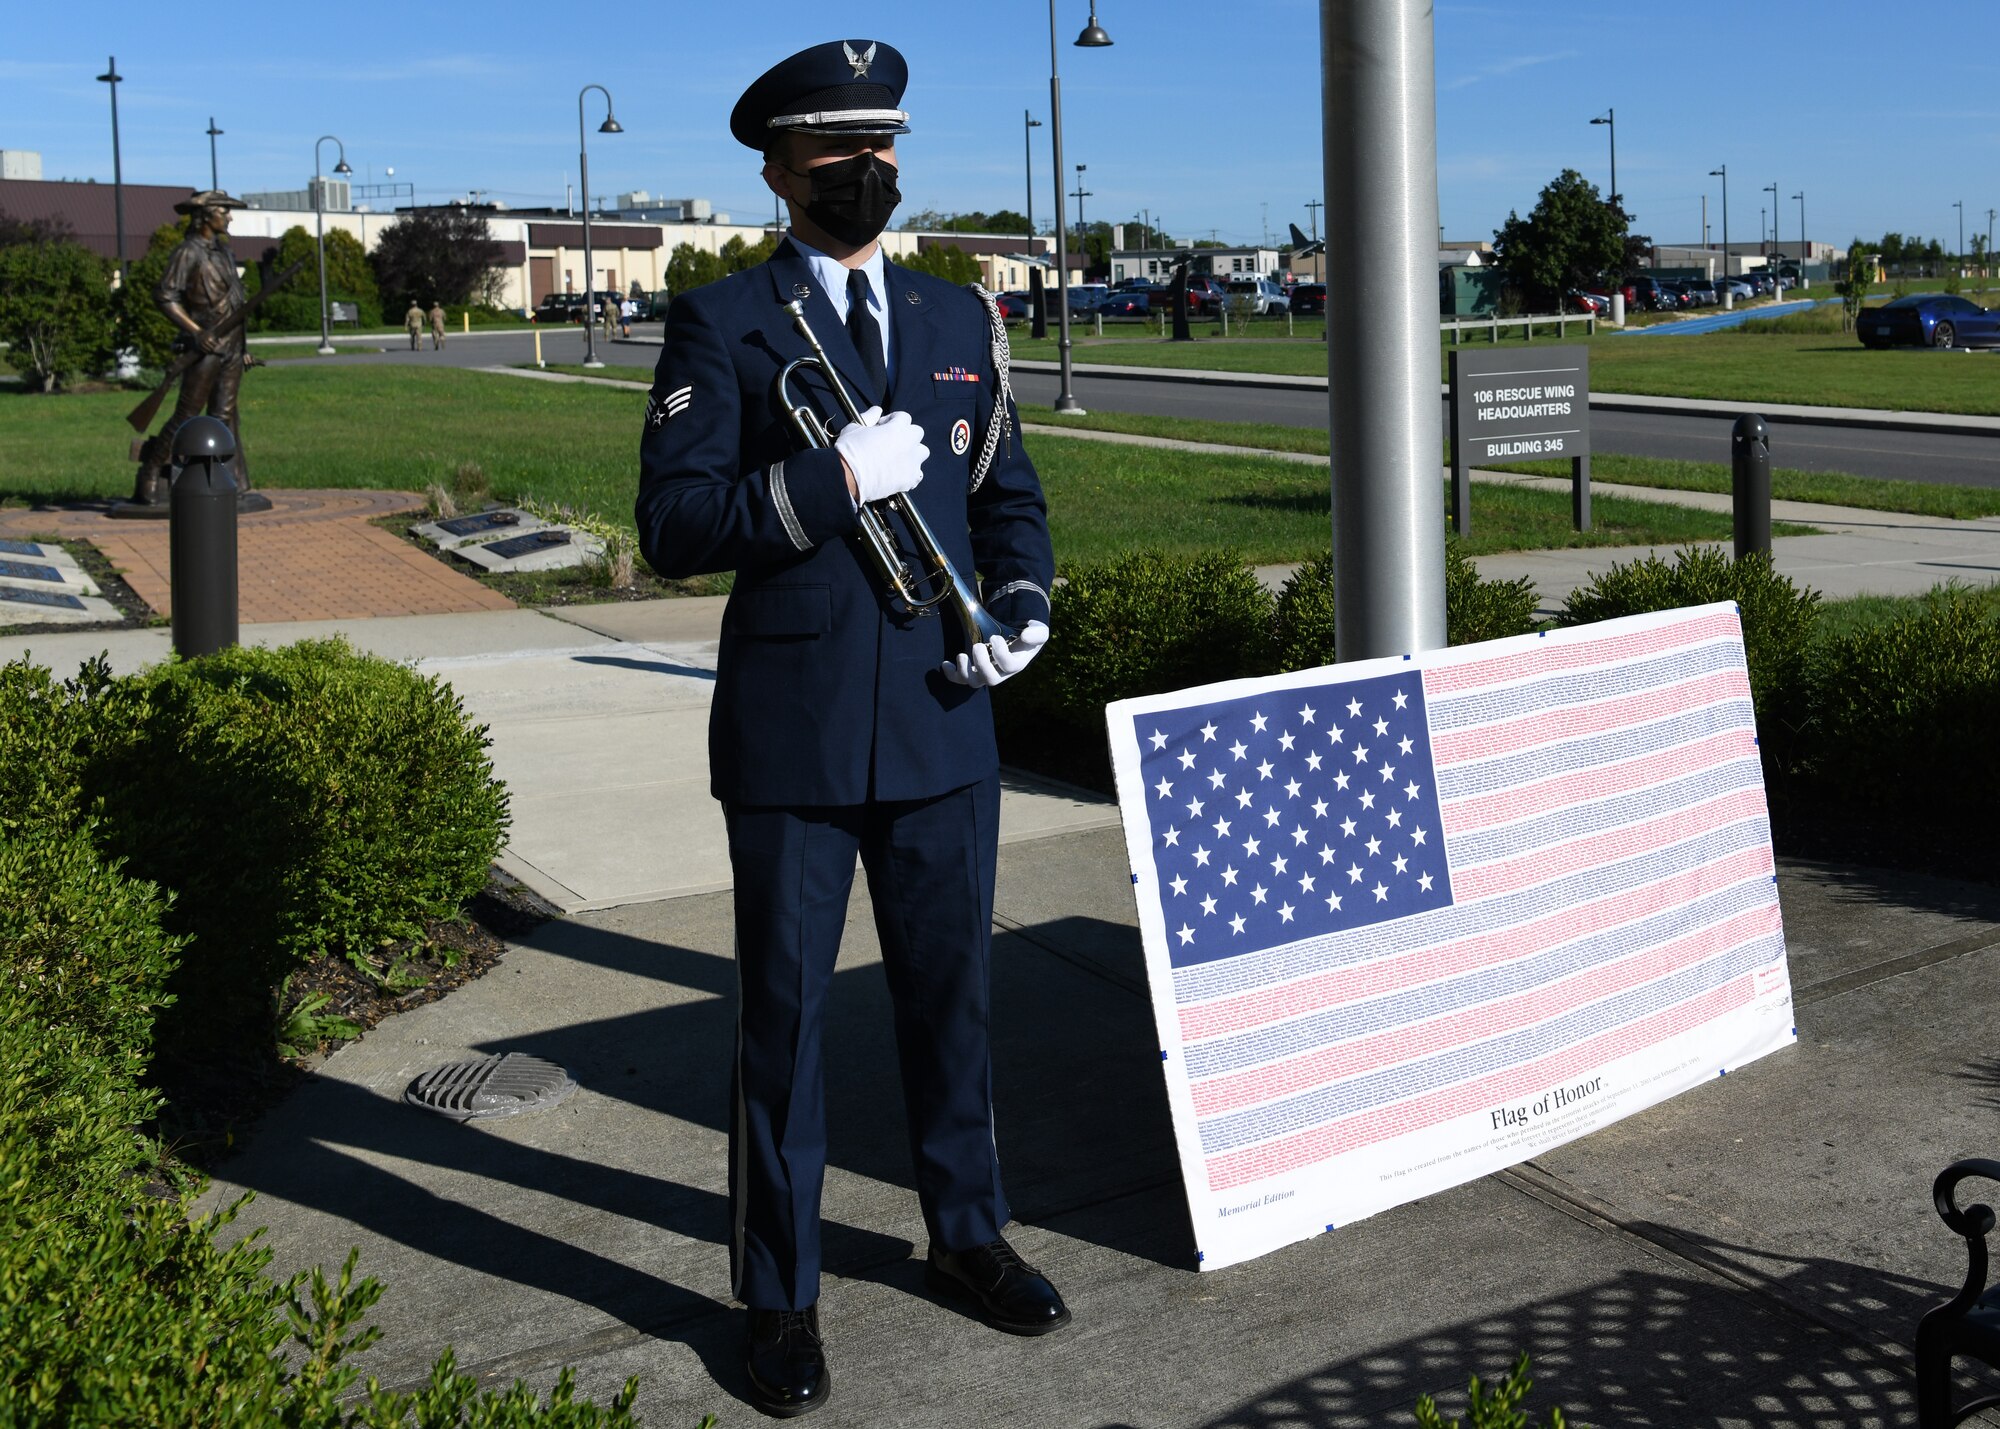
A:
x: 1940, y: 423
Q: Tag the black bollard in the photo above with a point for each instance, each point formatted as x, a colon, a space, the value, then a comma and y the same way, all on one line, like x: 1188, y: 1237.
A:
x: 1750, y: 485
x: 1038, y: 305
x: 202, y: 539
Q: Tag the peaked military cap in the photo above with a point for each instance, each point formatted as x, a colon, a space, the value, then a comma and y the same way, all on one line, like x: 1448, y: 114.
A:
x: 208, y: 198
x: 841, y: 87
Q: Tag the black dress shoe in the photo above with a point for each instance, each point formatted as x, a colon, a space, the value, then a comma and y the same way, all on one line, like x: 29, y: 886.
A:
x: 787, y: 1362
x: 1012, y: 1295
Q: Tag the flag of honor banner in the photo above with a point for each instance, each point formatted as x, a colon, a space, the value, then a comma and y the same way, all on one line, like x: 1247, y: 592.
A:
x: 1409, y: 921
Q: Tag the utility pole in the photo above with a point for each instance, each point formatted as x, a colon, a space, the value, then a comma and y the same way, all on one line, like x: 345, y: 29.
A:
x: 1313, y: 206
x: 1264, y: 209
x: 1081, y: 193
x: 1959, y: 204
x: 213, y: 181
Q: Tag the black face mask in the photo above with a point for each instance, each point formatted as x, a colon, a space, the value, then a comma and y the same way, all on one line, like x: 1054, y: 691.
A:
x: 852, y: 199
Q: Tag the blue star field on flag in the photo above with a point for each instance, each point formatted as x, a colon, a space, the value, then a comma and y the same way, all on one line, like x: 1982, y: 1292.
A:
x: 1292, y: 814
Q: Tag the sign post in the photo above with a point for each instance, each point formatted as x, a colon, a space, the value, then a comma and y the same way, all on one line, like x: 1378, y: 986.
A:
x: 1510, y: 407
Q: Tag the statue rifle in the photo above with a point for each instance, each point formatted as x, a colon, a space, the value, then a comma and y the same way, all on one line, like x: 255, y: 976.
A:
x: 141, y: 416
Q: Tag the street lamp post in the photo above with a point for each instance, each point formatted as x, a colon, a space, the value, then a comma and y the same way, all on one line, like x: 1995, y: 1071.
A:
x: 319, y: 224
x: 1610, y: 117
x: 113, y: 78
x: 609, y: 126
x: 1029, y: 124
x: 1093, y: 37
x: 1722, y: 171
x: 1772, y: 189
x: 1038, y: 302
x: 214, y: 182
x: 1805, y: 248
x: 1959, y: 204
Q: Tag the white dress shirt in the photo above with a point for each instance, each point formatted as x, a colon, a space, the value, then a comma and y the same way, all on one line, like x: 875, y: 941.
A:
x: 833, y: 276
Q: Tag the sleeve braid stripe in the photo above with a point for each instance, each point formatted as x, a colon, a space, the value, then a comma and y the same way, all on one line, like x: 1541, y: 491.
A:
x: 998, y: 429
x: 781, y: 497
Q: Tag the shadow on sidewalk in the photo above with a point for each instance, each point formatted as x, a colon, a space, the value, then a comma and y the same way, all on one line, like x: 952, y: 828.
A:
x: 1640, y: 1349
x: 1082, y: 1119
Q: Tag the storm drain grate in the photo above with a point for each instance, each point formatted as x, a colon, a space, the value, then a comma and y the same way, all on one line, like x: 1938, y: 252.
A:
x: 502, y: 1085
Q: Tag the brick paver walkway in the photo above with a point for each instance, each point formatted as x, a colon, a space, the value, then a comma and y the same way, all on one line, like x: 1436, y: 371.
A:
x: 313, y: 556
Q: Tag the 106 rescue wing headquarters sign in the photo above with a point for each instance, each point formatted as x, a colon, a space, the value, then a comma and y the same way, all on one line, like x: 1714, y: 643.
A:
x: 1512, y: 406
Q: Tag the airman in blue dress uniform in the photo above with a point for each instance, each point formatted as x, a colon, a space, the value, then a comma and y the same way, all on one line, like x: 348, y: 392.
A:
x: 843, y: 725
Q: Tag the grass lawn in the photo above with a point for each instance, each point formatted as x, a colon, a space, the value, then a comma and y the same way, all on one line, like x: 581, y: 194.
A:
x: 402, y: 428
x: 1787, y: 484
x: 1819, y: 367
x: 1844, y: 617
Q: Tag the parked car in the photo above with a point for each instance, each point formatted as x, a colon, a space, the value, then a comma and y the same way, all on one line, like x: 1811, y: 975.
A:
x: 1309, y: 298
x: 1129, y: 303
x: 1930, y: 319
x: 560, y: 308
x: 1762, y: 281
x: 1705, y: 292
x: 1014, y: 307
x: 1086, y: 298
x: 1576, y: 300
x: 1742, y: 290
x: 1259, y: 297
x: 1630, y: 290
x: 1205, y: 293
x: 1653, y: 295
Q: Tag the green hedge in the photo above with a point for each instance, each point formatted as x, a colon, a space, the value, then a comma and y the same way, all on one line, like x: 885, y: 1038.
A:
x: 1905, y: 719
x: 1147, y: 623
x: 1474, y: 609
x: 117, y: 1306
x: 303, y: 802
x: 1778, y: 625
x: 1153, y: 622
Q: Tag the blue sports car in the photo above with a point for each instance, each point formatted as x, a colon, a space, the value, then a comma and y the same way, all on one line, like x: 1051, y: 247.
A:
x: 1930, y: 320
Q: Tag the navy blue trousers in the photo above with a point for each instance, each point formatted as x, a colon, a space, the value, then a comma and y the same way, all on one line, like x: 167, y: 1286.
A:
x: 930, y: 875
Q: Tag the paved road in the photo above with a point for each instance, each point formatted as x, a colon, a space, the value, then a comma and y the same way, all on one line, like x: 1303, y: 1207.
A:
x: 1905, y: 456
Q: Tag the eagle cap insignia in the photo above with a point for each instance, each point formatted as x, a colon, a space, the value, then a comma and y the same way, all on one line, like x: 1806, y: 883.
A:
x: 859, y: 62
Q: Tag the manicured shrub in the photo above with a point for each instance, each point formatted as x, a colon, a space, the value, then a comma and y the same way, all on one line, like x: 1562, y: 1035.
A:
x: 1137, y: 626
x: 302, y: 802
x: 45, y: 725
x: 1302, y: 617
x: 1905, y: 718
x: 1477, y: 609
x: 86, y: 949
x: 117, y: 1308
x: 1474, y: 609
x: 1778, y: 619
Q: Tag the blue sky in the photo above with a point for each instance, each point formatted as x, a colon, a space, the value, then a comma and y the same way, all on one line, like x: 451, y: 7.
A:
x: 1211, y: 123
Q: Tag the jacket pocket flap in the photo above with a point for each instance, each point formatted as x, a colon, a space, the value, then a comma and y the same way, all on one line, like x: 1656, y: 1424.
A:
x: 782, y: 610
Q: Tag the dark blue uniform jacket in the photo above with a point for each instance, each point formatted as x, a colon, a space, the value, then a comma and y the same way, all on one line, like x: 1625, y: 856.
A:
x: 824, y: 695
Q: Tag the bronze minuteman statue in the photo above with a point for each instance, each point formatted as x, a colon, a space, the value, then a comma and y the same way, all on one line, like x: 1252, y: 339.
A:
x: 202, y: 296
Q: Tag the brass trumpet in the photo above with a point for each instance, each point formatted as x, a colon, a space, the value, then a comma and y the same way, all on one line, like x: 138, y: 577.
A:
x: 934, y: 581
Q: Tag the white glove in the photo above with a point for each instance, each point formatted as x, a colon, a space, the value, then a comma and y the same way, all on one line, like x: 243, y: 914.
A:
x: 992, y: 661
x: 884, y: 454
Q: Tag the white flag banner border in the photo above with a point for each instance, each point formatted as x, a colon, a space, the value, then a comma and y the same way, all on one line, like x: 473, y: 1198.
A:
x: 1244, y: 1222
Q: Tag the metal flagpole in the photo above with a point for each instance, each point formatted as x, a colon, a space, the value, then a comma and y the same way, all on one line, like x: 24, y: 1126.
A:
x: 1379, y: 121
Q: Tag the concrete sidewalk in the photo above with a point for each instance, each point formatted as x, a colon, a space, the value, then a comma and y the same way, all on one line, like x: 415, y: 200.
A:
x: 1754, y: 1253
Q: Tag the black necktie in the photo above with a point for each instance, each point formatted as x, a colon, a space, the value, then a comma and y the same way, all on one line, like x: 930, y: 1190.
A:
x: 867, y: 336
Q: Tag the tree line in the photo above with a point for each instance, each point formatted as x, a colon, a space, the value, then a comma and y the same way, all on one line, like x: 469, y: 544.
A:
x: 62, y: 314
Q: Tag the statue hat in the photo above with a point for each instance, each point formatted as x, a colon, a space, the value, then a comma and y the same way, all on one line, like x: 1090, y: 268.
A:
x: 208, y: 198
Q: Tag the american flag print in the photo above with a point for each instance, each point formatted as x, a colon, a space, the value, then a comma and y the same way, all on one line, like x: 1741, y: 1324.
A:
x: 1409, y: 921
